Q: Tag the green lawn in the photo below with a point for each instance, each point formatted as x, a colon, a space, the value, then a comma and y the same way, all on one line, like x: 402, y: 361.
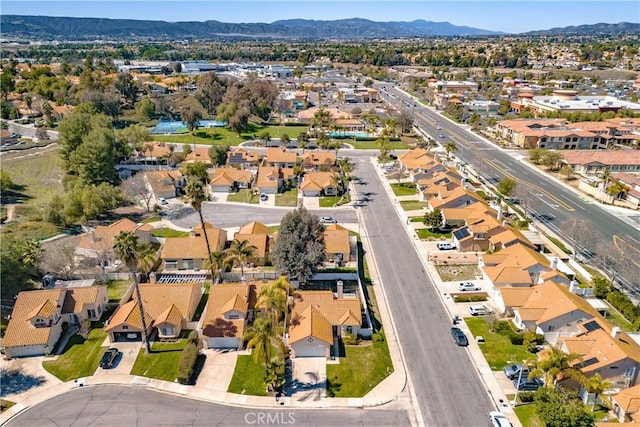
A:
x: 5, y: 404
x: 117, y: 288
x: 419, y: 218
x: 425, y: 233
x: 248, y: 377
x: 527, y: 416
x: 80, y: 358
x: 243, y: 196
x: 413, y: 205
x: 168, y: 232
x: 162, y: 362
x: 360, y: 371
x: 498, y: 350
x: 152, y: 219
x: 404, y: 189
x: 331, y: 201
x: 618, y: 319
x: 371, y: 145
x: 288, y: 198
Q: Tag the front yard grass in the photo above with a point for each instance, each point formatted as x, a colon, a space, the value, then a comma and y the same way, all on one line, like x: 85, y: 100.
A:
x: 117, y: 288
x: 80, y: 357
x: 362, y: 368
x: 331, y: 201
x: 168, y: 232
x: 288, y: 198
x: 498, y: 350
x: 243, y: 196
x: 248, y: 377
x: 425, y: 233
x: 528, y: 416
x: 371, y: 145
x: 5, y: 404
x: 413, y: 205
x: 404, y: 189
x: 162, y: 362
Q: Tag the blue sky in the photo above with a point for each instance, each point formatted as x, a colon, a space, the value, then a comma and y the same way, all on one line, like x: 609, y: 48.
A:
x: 509, y: 16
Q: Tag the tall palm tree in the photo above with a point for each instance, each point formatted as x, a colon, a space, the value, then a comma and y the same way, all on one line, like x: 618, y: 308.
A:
x: 450, y: 147
x: 264, y: 338
x: 303, y: 140
x: 383, y: 145
x: 196, y: 194
x: 130, y: 251
x: 240, y: 251
x: 595, y: 385
x: 556, y: 364
x: 606, y: 177
x: 273, y: 298
x: 216, y: 262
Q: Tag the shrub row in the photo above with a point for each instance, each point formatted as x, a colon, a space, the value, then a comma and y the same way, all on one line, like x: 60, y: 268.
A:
x: 469, y: 298
x: 503, y: 328
x: 188, y: 358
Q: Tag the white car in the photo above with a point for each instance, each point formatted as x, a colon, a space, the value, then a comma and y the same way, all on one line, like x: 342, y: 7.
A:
x: 328, y: 220
x: 468, y: 286
x: 445, y: 246
x: 163, y: 201
x: 498, y: 419
x: 479, y: 310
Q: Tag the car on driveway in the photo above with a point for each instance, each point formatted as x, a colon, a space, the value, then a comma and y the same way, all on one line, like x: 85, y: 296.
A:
x: 498, y: 419
x: 109, y: 358
x: 479, y: 310
x: 328, y: 220
x: 527, y: 384
x: 468, y: 286
x: 162, y: 201
x: 512, y: 372
x: 445, y: 246
x: 264, y: 197
x: 459, y: 337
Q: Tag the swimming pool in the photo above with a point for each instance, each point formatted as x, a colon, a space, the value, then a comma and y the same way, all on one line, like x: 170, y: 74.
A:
x: 349, y: 135
x: 176, y: 126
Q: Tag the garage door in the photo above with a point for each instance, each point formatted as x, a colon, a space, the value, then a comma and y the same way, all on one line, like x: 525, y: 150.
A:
x: 24, y: 351
x: 222, y: 342
x: 127, y: 336
x: 309, y: 350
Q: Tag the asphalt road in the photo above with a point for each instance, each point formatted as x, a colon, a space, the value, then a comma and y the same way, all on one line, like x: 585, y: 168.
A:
x: 110, y: 405
x: 449, y: 390
x: 551, y: 202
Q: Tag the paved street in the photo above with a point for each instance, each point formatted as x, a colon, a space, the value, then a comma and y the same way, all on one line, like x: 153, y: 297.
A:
x: 136, y: 406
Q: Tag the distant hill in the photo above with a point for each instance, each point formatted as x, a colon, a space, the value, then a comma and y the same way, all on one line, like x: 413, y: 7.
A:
x: 62, y: 28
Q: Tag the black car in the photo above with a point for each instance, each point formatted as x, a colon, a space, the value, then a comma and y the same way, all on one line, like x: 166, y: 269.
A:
x: 526, y: 384
x: 459, y: 337
x: 109, y: 357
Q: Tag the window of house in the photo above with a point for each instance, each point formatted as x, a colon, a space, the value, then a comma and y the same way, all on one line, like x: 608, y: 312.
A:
x: 171, y: 264
x: 232, y: 316
x: 629, y: 372
x: 91, y: 313
x: 187, y: 264
x: 125, y: 327
x: 167, y: 330
x: 550, y: 328
x: 350, y: 329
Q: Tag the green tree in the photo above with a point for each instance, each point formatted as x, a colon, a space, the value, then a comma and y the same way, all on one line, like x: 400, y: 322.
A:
x: 285, y: 138
x: 601, y: 287
x: 218, y: 154
x: 303, y: 140
x: 384, y: 147
x: 126, y: 85
x: 217, y: 262
x: 551, y: 160
x: 196, y: 170
x: 211, y: 90
x: 567, y: 171
x: 299, y: 249
x: 273, y: 297
x: 433, y: 219
x: 536, y: 155
x: 321, y: 119
x: 130, y: 250
x: 556, y: 365
x: 596, y: 385
x: 264, y: 137
x: 450, y: 147
x: 191, y: 117
x: 264, y: 341
x: 145, y: 109
x: 94, y: 160
x: 7, y: 84
x: 506, y: 186
x: 74, y: 127
x: 239, y: 252
x: 196, y: 194
x: 561, y: 409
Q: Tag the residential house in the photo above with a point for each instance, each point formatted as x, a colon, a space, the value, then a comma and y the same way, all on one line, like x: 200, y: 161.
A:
x: 456, y: 217
x: 199, y: 154
x: 337, y: 244
x: 153, y: 152
x: 164, y: 183
x: 452, y: 198
x: 270, y: 180
x: 632, y: 183
x: 189, y: 253
x: 36, y: 323
x: 315, y: 184
x: 509, y: 298
x: 257, y: 235
x: 553, y: 311
x: 243, y: 159
x: 475, y: 234
x: 516, y: 265
x: 594, y: 162
x: 167, y: 309
x: 416, y: 158
x: 321, y: 160
x: 318, y: 317
x: 281, y: 157
x: 626, y: 405
x: 229, y: 309
x: 307, y: 115
x: 229, y: 179
x: 98, y: 243
x: 84, y: 303
x: 605, y: 350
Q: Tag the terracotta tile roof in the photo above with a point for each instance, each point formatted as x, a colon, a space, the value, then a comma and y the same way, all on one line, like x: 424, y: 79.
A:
x: 193, y: 246
x: 318, y: 181
x: 171, y: 315
x: 155, y: 149
x: 349, y: 318
x: 416, y: 158
x: 128, y: 314
x: 222, y: 298
x: 628, y: 399
x: 511, y: 259
x: 334, y: 113
x: 333, y: 309
x: 157, y: 298
x: 599, y: 348
x: 247, y: 156
x: 230, y: 175
x: 310, y: 323
x: 515, y: 297
x: 336, y: 241
x: 236, y: 303
x: 473, y: 210
x: 603, y: 157
x: 20, y: 330
x: 557, y: 301
x: 77, y: 297
x: 320, y: 158
x: 254, y: 227
x: 163, y: 181
x: 530, y: 313
x: 281, y: 155
x: 200, y: 154
x: 334, y: 227
x: 102, y: 237
x: 268, y: 177
x: 501, y: 275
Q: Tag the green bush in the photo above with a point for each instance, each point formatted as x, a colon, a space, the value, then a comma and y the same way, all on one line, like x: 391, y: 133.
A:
x: 187, y: 362
x: 526, y: 396
x: 469, y: 298
x: 194, y: 338
x: 378, y: 336
x: 349, y: 339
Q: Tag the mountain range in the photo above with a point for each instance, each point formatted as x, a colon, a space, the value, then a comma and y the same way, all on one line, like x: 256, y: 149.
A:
x: 65, y: 28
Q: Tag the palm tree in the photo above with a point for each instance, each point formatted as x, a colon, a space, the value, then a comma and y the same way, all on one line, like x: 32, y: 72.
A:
x: 264, y: 338
x: 303, y: 140
x: 606, y: 177
x: 595, y: 385
x: 128, y: 248
x: 196, y: 194
x: 273, y: 299
x: 383, y: 145
x: 555, y: 365
x: 216, y: 262
x: 450, y: 147
x: 239, y: 252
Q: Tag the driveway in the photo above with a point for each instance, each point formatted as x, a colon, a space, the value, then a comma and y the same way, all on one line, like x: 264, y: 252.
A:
x: 309, y: 378
x: 218, y: 370
x: 24, y: 375
x: 311, y: 202
x: 124, y: 362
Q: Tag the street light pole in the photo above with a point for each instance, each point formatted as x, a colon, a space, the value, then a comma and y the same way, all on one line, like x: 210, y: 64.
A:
x: 515, y: 398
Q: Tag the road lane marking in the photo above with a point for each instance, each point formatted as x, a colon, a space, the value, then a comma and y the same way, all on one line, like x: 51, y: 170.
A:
x: 628, y: 245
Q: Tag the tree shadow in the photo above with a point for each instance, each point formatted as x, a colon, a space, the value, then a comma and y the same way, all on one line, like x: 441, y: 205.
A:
x: 15, y: 381
x: 14, y: 195
x: 311, y: 389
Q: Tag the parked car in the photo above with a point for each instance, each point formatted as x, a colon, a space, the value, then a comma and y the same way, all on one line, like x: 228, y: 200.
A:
x: 109, y: 357
x: 498, y: 419
x: 479, y: 310
x: 512, y: 372
x: 468, y: 286
x: 526, y: 384
x: 441, y: 135
x: 459, y: 337
x: 328, y: 220
x: 162, y: 201
x: 445, y: 246
x: 264, y: 197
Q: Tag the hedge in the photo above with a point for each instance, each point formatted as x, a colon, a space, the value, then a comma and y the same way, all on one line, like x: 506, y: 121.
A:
x: 469, y: 298
x: 187, y: 362
x: 504, y: 328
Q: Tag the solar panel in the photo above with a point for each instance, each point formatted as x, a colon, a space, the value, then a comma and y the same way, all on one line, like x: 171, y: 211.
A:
x: 592, y: 326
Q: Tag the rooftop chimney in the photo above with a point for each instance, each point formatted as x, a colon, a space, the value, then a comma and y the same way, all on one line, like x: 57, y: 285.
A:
x: 615, y: 332
x: 554, y: 263
x: 152, y: 278
x: 340, y: 288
